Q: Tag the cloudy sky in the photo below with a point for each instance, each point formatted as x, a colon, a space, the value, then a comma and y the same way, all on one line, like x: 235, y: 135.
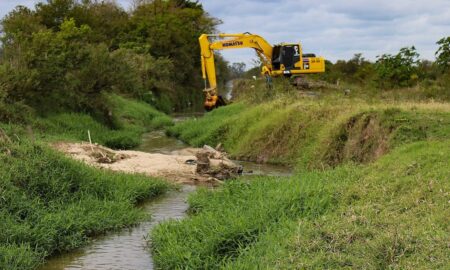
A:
x: 335, y: 29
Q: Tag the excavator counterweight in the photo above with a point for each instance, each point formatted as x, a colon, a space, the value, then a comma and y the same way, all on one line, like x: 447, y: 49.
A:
x: 285, y: 59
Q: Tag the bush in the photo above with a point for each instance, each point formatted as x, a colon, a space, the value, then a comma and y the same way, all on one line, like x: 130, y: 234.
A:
x: 59, y: 71
x: 398, y: 70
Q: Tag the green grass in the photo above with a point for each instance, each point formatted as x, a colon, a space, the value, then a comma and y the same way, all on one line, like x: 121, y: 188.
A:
x: 370, y: 192
x: 315, y: 133
x: 391, y: 214
x: 50, y: 203
x: 133, y: 114
x: 131, y: 120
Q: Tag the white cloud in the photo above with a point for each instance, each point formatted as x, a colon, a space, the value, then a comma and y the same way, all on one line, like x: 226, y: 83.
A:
x: 335, y: 29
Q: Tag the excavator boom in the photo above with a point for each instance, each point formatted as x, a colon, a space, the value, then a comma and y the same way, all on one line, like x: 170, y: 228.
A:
x: 279, y: 60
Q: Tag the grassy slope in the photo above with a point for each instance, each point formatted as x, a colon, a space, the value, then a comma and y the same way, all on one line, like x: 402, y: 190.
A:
x: 394, y: 216
x: 313, y: 134
x: 371, y: 192
x: 50, y: 203
x: 132, y: 119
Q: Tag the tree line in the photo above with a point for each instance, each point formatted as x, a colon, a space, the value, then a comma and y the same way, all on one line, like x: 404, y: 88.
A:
x: 390, y: 71
x: 65, y: 55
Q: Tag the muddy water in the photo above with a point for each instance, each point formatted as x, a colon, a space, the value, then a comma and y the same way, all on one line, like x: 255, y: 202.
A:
x: 252, y: 168
x: 158, y: 142
x: 127, y: 249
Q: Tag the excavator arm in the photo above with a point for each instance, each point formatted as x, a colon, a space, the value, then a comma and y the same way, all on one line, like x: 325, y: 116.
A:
x: 228, y: 41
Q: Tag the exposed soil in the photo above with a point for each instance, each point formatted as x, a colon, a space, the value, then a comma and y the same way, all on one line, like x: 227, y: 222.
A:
x: 362, y: 139
x: 179, y: 166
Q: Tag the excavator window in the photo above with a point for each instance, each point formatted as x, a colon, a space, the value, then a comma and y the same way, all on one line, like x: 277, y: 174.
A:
x: 276, y: 57
x: 288, y: 57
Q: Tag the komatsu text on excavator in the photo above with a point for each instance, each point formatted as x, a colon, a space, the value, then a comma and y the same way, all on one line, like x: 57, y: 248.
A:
x: 285, y: 59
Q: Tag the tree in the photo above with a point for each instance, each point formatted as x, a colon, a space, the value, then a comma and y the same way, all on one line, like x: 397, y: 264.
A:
x: 54, y: 12
x: 237, y: 70
x: 106, y: 19
x: 172, y: 31
x: 187, y: 4
x: 397, y: 70
x: 22, y: 21
x: 443, y: 53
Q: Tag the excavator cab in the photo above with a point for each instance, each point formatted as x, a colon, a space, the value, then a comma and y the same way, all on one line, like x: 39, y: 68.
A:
x: 288, y: 60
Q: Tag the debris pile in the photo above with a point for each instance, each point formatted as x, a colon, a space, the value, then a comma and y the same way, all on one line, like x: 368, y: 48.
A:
x: 190, y: 165
x: 214, y: 163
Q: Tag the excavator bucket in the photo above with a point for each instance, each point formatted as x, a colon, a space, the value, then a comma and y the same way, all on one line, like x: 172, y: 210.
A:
x: 212, y: 100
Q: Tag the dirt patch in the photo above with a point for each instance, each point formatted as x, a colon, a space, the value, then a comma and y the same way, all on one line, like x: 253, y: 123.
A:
x: 180, y: 166
x: 362, y: 139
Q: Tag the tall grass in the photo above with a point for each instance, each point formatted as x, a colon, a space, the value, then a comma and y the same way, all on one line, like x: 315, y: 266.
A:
x: 50, y: 203
x: 391, y: 214
x: 229, y: 221
x: 132, y: 114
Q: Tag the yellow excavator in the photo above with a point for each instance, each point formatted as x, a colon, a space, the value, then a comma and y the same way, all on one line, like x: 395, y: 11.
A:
x: 285, y: 59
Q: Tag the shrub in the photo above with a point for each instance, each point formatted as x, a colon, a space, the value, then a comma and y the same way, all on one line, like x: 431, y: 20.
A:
x: 397, y: 70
